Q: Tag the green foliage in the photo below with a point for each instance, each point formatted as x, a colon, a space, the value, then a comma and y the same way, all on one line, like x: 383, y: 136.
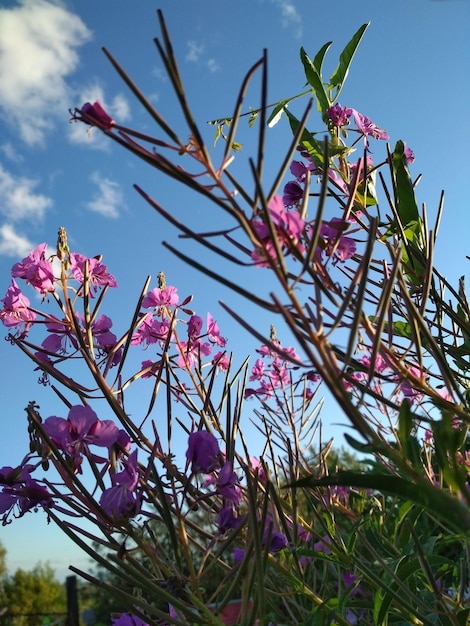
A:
x: 29, y: 596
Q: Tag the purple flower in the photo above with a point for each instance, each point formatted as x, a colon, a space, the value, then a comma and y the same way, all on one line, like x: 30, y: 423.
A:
x: 338, y: 115
x: 293, y: 193
x: 337, y: 245
x: 213, y: 332
x: 367, y: 127
x: 221, y: 360
x: 98, y: 274
x: 21, y: 493
x: 121, y: 500
x: 227, y: 485
x: 194, y: 326
x: 36, y: 270
x: 16, y: 310
x: 228, y: 520
x: 127, y: 619
x: 81, y: 429
x: 203, y: 451
x: 277, y: 541
x: 97, y: 114
x: 288, y: 225
x: 161, y: 297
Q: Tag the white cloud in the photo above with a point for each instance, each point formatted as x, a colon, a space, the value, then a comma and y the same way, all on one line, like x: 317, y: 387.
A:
x: 37, y: 53
x: 12, y: 244
x: 11, y: 152
x: 108, y: 198
x: 290, y: 16
x: 19, y: 201
x: 212, y: 65
x: 195, y: 51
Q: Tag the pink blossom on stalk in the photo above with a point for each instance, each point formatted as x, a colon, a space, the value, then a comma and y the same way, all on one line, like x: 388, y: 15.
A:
x: 288, y: 226
x: 36, y: 270
x: 293, y: 193
x: 151, y: 330
x: 221, y: 360
x: 98, y: 274
x: 367, y: 127
x: 203, y: 451
x: 97, y: 114
x: 21, y: 493
x: 336, y: 244
x: 81, y: 429
x: 161, y: 297
x: 191, y: 350
x: 194, y: 326
x: 16, y: 311
x: 338, y: 115
x: 257, y: 371
x: 121, y: 500
x: 127, y: 619
x: 213, y: 332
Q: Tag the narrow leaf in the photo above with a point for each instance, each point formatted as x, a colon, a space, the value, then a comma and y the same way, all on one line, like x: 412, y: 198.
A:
x: 314, y: 79
x: 340, y: 74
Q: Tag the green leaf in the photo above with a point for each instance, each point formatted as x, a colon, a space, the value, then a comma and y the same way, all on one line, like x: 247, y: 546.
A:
x: 341, y: 72
x: 314, y: 79
x: 407, y: 207
x: 452, y: 512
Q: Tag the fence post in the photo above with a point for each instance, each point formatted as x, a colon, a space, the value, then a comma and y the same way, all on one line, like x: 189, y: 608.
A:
x: 72, y: 601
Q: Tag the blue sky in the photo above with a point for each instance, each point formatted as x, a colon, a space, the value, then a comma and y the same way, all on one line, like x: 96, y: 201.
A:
x: 410, y: 76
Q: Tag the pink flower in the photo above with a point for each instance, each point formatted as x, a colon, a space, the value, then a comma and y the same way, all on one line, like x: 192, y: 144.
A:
x: 81, y: 429
x: 194, y: 326
x: 36, y: 270
x: 338, y: 246
x: 97, y: 115
x: 221, y: 360
x: 98, y: 274
x: 16, y: 310
x: 213, y: 332
x: 21, y: 493
x: 288, y: 225
x: 338, y: 115
x: 161, y: 297
x: 203, y: 451
x: 367, y: 127
x: 121, y: 500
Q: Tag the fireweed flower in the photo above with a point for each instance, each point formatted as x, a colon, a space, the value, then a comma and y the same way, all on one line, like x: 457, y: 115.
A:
x: 161, y: 297
x: 36, y: 270
x: 221, y: 360
x: 127, y: 619
x: 367, y: 127
x: 20, y: 493
x: 81, y: 429
x: 288, y: 225
x: 122, y: 501
x: 98, y: 274
x: 194, y: 326
x: 99, y: 116
x: 16, y: 310
x: 339, y: 116
x: 191, y: 350
x: 151, y: 331
x: 203, y: 451
x: 338, y: 246
x: 213, y: 332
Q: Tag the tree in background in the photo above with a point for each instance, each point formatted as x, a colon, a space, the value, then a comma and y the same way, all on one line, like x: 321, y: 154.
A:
x: 30, y: 597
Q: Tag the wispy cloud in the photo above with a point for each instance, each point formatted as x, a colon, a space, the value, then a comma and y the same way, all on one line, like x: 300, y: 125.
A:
x: 195, y: 51
x: 13, y: 244
x: 38, y: 52
x: 290, y: 17
x: 19, y: 199
x: 108, y: 197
